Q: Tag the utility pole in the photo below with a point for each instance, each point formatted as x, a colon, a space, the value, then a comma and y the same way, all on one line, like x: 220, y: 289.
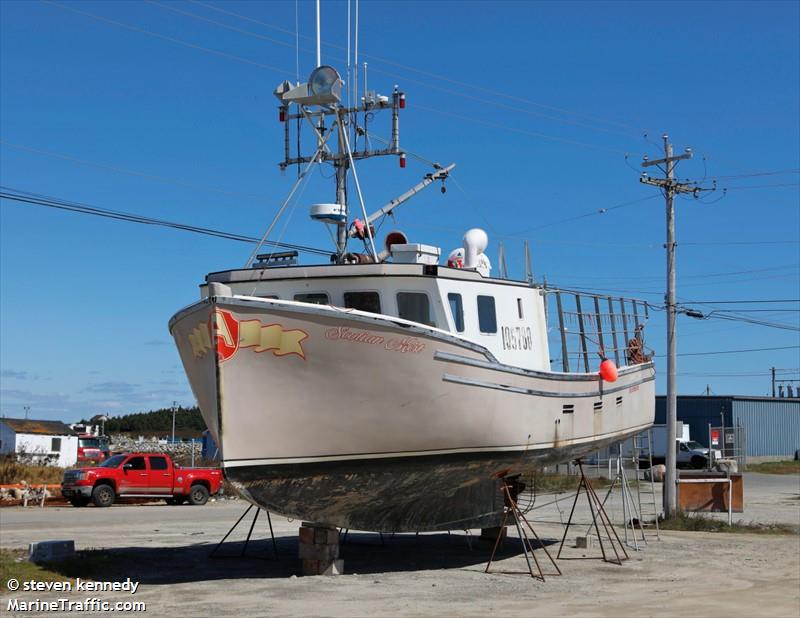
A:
x: 670, y: 188
x: 27, y: 409
x: 773, y: 381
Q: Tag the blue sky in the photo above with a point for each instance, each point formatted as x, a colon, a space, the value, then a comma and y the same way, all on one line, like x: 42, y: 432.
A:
x: 166, y: 110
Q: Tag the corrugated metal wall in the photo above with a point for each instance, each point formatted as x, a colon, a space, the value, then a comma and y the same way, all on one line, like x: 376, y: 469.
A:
x: 772, y: 426
x: 697, y: 412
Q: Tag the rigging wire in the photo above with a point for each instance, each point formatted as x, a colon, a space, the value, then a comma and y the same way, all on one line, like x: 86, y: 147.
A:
x: 17, y: 195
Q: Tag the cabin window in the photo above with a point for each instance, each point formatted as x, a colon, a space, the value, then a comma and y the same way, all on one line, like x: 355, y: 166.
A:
x: 414, y: 306
x: 363, y: 301
x: 457, y: 311
x: 274, y: 296
x: 315, y: 298
x: 136, y: 463
x: 519, y: 308
x: 158, y: 463
x: 55, y: 445
x: 487, y: 318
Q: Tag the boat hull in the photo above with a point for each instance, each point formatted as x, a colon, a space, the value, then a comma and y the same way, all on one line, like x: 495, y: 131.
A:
x: 370, y: 422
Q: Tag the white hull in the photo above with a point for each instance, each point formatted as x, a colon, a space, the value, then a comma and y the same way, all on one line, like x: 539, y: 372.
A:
x: 364, y: 421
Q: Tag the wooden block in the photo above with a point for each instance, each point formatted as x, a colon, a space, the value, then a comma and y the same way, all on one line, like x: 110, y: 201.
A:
x: 584, y: 542
x: 306, y: 535
x: 318, y: 552
x: 310, y: 567
x: 326, y: 536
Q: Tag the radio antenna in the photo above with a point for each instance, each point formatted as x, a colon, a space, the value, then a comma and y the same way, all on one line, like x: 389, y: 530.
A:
x: 319, y: 48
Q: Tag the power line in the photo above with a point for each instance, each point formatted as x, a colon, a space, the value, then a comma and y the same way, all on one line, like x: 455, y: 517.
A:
x: 285, y: 72
x: 754, y: 174
x: 742, y: 302
x: 26, y: 197
x: 788, y: 347
x: 130, y: 172
x: 743, y: 242
x: 494, y: 92
x: 164, y: 37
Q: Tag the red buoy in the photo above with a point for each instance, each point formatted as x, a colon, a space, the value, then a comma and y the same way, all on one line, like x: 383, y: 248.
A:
x: 608, y: 371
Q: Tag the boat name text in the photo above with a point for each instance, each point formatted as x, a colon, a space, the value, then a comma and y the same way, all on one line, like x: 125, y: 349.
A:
x: 394, y: 344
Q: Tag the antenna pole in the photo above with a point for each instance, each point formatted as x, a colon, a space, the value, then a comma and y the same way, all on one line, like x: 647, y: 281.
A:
x: 528, y: 267
x: 773, y: 381
x: 355, y: 60
x: 319, y: 48
x: 340, y: 164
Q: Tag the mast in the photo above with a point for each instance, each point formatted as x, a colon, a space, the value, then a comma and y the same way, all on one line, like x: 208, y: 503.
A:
x: 341, y: 165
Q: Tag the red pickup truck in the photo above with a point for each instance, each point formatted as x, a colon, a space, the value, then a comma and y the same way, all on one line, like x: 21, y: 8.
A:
x: 139, y: 475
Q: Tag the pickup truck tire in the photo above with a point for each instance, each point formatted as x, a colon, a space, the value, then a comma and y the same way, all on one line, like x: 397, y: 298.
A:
x: 175, y: 501
x: 103, y: 495
x: 198, y: 495
x: 78, y: 502
x: 698, y: 462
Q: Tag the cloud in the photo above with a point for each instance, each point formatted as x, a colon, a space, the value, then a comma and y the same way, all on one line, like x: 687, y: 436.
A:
x: 14, y: 375
x: 112, y: 388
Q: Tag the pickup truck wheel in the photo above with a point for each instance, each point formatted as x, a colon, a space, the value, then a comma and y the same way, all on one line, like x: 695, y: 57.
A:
x: 198, y: 495
x: 79, y: 501
x: 698, y: 462
x: 175, y: 500
x: 103, y: 495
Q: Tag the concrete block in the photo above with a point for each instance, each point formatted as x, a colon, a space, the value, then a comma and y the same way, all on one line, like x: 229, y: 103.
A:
x: 47, y: 551
x: 310, y: 567
x: 318, y: 552
x: 326, y: 536
x: 584, y: 542
x: 323, y: 567
x: 334, y: 568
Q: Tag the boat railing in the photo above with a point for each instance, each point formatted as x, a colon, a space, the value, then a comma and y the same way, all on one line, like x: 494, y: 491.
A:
x: 592, y: 326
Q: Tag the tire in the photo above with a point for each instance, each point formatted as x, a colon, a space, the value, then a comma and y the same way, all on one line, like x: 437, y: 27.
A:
x: 79, y: 501
x: 103, y: 495
x: 175, y: 501
x: 198, y: 495
x: 698, y: 462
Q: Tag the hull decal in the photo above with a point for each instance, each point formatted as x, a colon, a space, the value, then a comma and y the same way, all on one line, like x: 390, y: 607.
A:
x: 537, y: 393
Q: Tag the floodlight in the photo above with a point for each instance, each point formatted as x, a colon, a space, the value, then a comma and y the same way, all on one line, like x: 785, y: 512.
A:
x: 325, y: 84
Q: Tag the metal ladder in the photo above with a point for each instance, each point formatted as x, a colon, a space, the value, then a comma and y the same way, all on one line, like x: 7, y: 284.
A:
x: 643, y: 450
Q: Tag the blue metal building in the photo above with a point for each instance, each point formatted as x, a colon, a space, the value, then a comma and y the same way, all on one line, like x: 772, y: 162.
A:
x: 771, y: 425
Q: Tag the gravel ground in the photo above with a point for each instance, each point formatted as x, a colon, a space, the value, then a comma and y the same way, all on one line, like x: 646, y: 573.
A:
x: 685, y: 573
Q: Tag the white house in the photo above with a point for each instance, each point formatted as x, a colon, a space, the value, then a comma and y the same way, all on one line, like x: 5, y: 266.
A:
x: 43, y: 441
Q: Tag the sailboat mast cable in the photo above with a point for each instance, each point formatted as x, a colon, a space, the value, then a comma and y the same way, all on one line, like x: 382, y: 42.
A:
x: 343, y: 134
x: 288, y: 198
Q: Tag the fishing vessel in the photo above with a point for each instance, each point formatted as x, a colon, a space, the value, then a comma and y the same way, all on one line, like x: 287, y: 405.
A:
x: 393, y: 388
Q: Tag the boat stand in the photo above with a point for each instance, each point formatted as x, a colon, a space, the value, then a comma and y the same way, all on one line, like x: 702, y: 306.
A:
x: 597, y: 510
x: 213, y: 553
x: 511, y: 508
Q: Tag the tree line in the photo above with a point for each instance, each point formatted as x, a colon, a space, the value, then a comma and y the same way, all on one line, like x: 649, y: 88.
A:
x: 157, y: 421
